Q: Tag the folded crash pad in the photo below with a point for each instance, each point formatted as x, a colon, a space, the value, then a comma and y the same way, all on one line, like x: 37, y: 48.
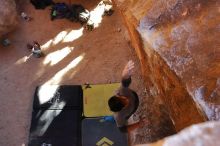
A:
x: 95, y: 99
x: 96, y: 132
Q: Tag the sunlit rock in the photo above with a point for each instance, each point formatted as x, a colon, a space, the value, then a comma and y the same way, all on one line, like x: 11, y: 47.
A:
x: 178, y: 43
x: 206, y: 134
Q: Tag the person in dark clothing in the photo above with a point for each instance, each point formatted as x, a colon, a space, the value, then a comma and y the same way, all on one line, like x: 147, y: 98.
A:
x: 125, y: 102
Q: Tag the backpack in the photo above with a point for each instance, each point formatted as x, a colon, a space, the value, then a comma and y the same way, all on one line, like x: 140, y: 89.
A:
x: 79, y: 13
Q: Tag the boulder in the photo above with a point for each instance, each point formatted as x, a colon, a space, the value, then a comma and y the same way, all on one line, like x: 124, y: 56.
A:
x: 8, y: 16
x: 205, y: 134
x: 177, y: 44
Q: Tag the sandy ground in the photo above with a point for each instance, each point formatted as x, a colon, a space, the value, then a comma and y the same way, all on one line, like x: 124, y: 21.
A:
x: 96, y: 57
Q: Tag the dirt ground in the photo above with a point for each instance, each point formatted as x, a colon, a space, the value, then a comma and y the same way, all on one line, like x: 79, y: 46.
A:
x: 96, y: 57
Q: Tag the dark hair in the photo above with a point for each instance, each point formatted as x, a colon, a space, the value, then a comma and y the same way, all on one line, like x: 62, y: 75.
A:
x: 115, y: 104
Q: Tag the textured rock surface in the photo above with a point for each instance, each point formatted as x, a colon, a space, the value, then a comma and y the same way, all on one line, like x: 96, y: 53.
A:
x: 206, y: 134
x: 185, y: 34
x: 178, y: 46
x: 8, y: 16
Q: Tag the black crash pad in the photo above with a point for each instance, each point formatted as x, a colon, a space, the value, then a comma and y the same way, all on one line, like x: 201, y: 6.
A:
x: 58, y: 97
x: 56, y: 127
x: 95, y: 132
x: 54, y: 141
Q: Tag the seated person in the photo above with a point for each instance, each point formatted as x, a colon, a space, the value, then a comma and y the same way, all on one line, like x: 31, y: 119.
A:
x: 35, y: 49
x: 25, y: 16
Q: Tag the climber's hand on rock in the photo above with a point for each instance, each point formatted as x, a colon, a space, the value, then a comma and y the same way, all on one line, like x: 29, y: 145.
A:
x: 128, y: 70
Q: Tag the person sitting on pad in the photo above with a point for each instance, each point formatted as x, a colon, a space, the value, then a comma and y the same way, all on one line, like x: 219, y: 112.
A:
x: 125, y: 102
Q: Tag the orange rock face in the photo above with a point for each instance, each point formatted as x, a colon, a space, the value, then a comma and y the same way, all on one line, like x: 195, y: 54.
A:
x: 178, y: 45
